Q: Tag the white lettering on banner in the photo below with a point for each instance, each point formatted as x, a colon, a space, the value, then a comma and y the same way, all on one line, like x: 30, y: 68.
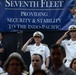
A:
x: 18, y: 26
x: 48, y: 3
x: 44, y: 26
x: 34, y: 13
x: 34, y: 3
x: 19, y: 20
x: 40, y: 20
x: 33, y: 20
x: 21, y: 3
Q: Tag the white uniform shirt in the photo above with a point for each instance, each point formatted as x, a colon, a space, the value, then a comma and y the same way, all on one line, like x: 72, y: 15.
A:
x: 70, y: 48
x: 1, y: 70
x: 42, y: 49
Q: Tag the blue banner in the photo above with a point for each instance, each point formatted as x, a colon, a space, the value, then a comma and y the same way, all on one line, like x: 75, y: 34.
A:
x: 37, y: 14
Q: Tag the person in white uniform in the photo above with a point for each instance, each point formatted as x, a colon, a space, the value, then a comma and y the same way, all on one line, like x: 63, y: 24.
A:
x: 69, y: 45
x: 1, y: 70
x: 39, y: 48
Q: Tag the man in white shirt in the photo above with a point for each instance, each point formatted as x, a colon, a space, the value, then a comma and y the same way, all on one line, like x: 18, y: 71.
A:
x: 36, y: 61
x: 69, y: 45
x: 39, y: 48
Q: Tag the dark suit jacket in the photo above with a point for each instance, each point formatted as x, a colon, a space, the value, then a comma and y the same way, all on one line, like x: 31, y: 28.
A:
x: 2, y: 55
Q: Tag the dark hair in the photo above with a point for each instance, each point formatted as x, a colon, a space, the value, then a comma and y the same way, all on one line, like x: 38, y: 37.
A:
x: 39, y: 55
x: 39, y: 72
x: 54, y: 46
x: 72, y: 62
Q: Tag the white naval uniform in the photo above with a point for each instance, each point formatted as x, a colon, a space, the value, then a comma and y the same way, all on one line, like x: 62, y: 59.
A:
x: 70, y: 49
x: 1, y: 70
x: 41, y: 49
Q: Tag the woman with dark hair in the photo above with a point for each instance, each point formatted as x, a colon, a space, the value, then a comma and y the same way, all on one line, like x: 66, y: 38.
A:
x: 39, y: 72
x: 73, y: 64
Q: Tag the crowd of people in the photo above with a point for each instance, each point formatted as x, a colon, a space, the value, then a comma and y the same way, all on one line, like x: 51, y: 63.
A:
x: 62, y: 55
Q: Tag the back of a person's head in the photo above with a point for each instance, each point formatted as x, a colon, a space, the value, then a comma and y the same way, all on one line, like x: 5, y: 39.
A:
x: 39, y: 72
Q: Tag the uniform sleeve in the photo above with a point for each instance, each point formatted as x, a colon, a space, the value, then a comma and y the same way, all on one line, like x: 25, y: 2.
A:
x: 63, y: 43
x: 28, y: 47
x: 47, y: 52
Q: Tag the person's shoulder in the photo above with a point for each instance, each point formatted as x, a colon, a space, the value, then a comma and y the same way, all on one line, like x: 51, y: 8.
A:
x: 4, y: 73
x: 25, y: 73
x: 70, y: 71
x: 1, y: 70
x: 65, y: 40
x: 31, y: 45
x: 48, y: 72
x: 45, y: 44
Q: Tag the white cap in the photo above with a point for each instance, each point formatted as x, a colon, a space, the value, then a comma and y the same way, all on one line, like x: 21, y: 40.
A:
x: 72, y: 27
x: 38, y: 33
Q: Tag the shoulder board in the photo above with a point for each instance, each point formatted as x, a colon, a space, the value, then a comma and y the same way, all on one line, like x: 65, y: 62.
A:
x: 26, y: 72
x: 44, y: 44
x: 1, y: 73
x: 31, y: 44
